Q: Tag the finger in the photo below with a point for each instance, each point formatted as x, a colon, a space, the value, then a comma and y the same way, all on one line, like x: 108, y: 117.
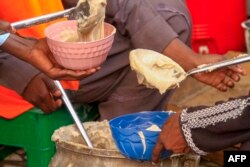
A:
x: 92, y: 71
x: 45, y: 108
x: 229, y: 73
x: 59, y: 103
x: 235, y: 77
x: 157, y: 151
x: 47, y: 98
x: 49, y: 101
x: 238, y: 69
x: 57, y: 94
x: 51, y: 86
x: 65, y: 74
x: 44, y: 99
x: 221, y: 87
x: 228, y: 82
x: 40, y: 104
x: 58, y: 98
x: 53, y: 104
x: 5, y: 26
x: 98, y: 68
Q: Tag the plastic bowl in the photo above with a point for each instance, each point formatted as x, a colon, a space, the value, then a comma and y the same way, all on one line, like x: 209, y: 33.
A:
x: 78, y: 55
x: 127, y: 132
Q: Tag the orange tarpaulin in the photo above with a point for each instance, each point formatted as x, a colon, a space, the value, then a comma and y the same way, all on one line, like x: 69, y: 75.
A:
x: 72, y: 85
x: 12, y: 104
x: 17, y: 10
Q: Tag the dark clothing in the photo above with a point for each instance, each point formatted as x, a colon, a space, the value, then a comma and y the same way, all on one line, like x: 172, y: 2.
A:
x: 225, y: 124
x: 148, y: 24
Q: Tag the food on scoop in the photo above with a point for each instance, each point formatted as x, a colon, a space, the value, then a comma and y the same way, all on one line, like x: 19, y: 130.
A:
x: 89, y: 28
x: 156, y: 70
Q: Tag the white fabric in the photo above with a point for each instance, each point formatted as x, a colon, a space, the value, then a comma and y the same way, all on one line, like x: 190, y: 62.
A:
x: 3, y: 38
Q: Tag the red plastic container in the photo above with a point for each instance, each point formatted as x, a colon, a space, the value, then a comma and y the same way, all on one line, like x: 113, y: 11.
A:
x: 217, y: 25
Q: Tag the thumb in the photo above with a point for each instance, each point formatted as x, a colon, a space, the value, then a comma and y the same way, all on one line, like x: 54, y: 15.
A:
x: 54, y: 90
x: 157, y: 151
x: 52, y: 87
x: 6, y: 26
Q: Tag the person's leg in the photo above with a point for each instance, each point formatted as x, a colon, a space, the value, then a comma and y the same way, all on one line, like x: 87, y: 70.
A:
x: 119, y: 93
x: 130, y: 97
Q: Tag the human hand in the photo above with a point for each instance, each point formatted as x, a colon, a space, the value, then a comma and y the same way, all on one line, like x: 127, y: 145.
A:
x: 37, y: 53
x: 41, y: 57
x: 170, y: 138
x: 221, y: 79
x: 43, y: 93
x: 6, y: 26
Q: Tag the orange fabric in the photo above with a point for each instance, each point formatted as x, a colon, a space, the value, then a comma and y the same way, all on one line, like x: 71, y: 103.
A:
x: 72, y: 85
x: 17, y: 10
x: 12, y: 104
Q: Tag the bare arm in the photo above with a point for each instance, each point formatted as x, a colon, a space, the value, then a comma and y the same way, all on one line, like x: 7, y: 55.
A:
x: 37, y: 53
x: 167, y: 29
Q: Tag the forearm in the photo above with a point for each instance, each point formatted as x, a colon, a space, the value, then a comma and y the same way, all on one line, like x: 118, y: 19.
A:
x: 18, y: 46
x: 165, y: 29
x: 15, y: 73
x: 182, y: 54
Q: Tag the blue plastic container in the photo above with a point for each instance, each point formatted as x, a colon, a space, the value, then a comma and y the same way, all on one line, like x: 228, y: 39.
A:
x: 132, y: 137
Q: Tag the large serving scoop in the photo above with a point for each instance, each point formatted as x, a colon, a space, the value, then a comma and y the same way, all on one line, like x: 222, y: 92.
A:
x: 80, y: 10
x: 74, y: 115
x: 229, y: 62
x: 155, y: 70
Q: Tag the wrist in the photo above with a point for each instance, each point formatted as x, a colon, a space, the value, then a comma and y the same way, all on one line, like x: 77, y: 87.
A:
x: 182, y: 54
x: 18, y: 46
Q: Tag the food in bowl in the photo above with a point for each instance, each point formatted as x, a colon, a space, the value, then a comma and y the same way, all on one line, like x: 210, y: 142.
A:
x: 98, y: 132
x: 85, y: 42
x: 136, y: 134
x: 78, y: 55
